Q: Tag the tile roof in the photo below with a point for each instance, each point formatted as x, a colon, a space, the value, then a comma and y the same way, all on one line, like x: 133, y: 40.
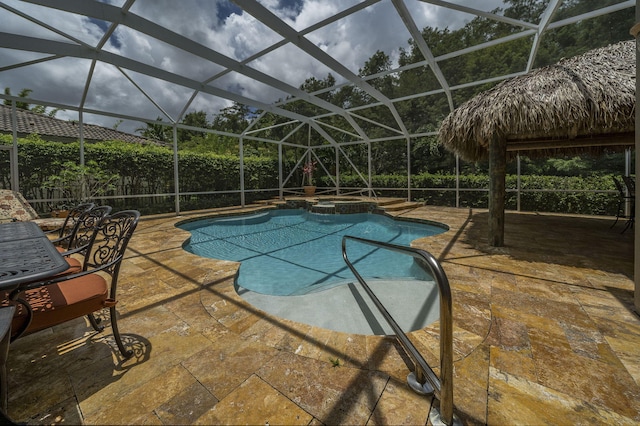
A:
x: 55, y: 128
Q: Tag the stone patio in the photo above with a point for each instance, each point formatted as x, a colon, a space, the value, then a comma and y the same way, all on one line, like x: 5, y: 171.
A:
x: 544, y: 333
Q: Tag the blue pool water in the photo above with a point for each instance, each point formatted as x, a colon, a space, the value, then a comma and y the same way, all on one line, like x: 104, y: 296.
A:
x: 293, y: 252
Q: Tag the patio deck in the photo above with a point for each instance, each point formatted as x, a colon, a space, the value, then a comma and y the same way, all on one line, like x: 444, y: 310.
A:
x: 545, y: 332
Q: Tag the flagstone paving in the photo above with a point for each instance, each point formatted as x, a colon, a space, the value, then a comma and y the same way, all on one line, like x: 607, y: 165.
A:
x: 544, y: 333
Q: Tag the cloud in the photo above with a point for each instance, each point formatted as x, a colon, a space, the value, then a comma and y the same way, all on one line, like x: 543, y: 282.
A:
x: 220, y: 26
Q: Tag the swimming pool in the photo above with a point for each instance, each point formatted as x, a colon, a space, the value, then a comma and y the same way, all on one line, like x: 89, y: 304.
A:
x: 288, y: 252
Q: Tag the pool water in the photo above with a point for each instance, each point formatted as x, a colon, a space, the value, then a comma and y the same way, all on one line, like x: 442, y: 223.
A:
x: 294, y: 252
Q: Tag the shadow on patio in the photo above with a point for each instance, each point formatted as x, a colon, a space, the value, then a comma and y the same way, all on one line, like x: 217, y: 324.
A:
x: 541, y: 334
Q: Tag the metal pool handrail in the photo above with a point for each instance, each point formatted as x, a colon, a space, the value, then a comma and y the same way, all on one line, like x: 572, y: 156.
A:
x: 442, y: 388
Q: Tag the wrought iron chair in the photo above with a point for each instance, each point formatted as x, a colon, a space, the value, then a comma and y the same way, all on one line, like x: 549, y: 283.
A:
x: 82, y: 230
x: 630, y: 184
x: 624, y: 197
x: 65, y: 230
x: 41, y: 305
x: 77, y: 240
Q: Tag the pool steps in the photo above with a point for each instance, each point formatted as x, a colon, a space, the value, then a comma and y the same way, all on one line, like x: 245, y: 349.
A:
x: 332, y: 204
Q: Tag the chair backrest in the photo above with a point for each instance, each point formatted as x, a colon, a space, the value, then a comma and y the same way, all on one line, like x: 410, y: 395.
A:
x: 109, y: 242
x: 66, y: 230
x: 85, y: 227
x: 619, y: 186
x: 630, y: 183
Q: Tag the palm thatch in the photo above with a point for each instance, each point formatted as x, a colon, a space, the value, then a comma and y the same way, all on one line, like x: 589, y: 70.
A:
x: 577, y: 104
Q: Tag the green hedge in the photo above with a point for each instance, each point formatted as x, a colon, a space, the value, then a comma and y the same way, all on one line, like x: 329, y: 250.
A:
x: 148, y: 169
x: 143, y: 170
x: 473, y: 192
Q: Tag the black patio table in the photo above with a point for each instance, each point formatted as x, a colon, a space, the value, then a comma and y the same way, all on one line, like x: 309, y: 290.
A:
x: 26, y: 255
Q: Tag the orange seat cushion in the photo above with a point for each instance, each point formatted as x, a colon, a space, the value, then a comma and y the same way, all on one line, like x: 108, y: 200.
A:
x: 75, y: 266
x: 57, y: 303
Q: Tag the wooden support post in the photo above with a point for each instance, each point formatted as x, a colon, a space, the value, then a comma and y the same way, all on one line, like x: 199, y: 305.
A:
x: 497, y: 189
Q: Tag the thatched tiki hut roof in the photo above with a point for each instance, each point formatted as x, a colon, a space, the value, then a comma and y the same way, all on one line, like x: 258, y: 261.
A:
x: 582, y: 103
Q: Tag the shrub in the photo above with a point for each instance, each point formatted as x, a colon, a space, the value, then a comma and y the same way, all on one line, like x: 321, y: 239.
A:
x: 148, y: 170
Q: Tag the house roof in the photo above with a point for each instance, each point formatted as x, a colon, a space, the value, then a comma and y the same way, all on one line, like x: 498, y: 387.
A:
x: 53, y: 128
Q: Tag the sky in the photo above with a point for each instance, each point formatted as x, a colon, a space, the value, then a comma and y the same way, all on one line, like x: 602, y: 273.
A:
x: 217, y: 24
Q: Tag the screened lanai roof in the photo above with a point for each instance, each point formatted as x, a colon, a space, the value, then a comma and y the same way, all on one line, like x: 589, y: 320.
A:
x: 140, y: 61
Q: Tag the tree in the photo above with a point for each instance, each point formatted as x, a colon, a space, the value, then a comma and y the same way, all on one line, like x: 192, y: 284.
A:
x: 77, y: 183
x: 378, y: 63
x: 24, y: 93
x: 233, y: 119
x: 156, y: 131
x: 193, y: 119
